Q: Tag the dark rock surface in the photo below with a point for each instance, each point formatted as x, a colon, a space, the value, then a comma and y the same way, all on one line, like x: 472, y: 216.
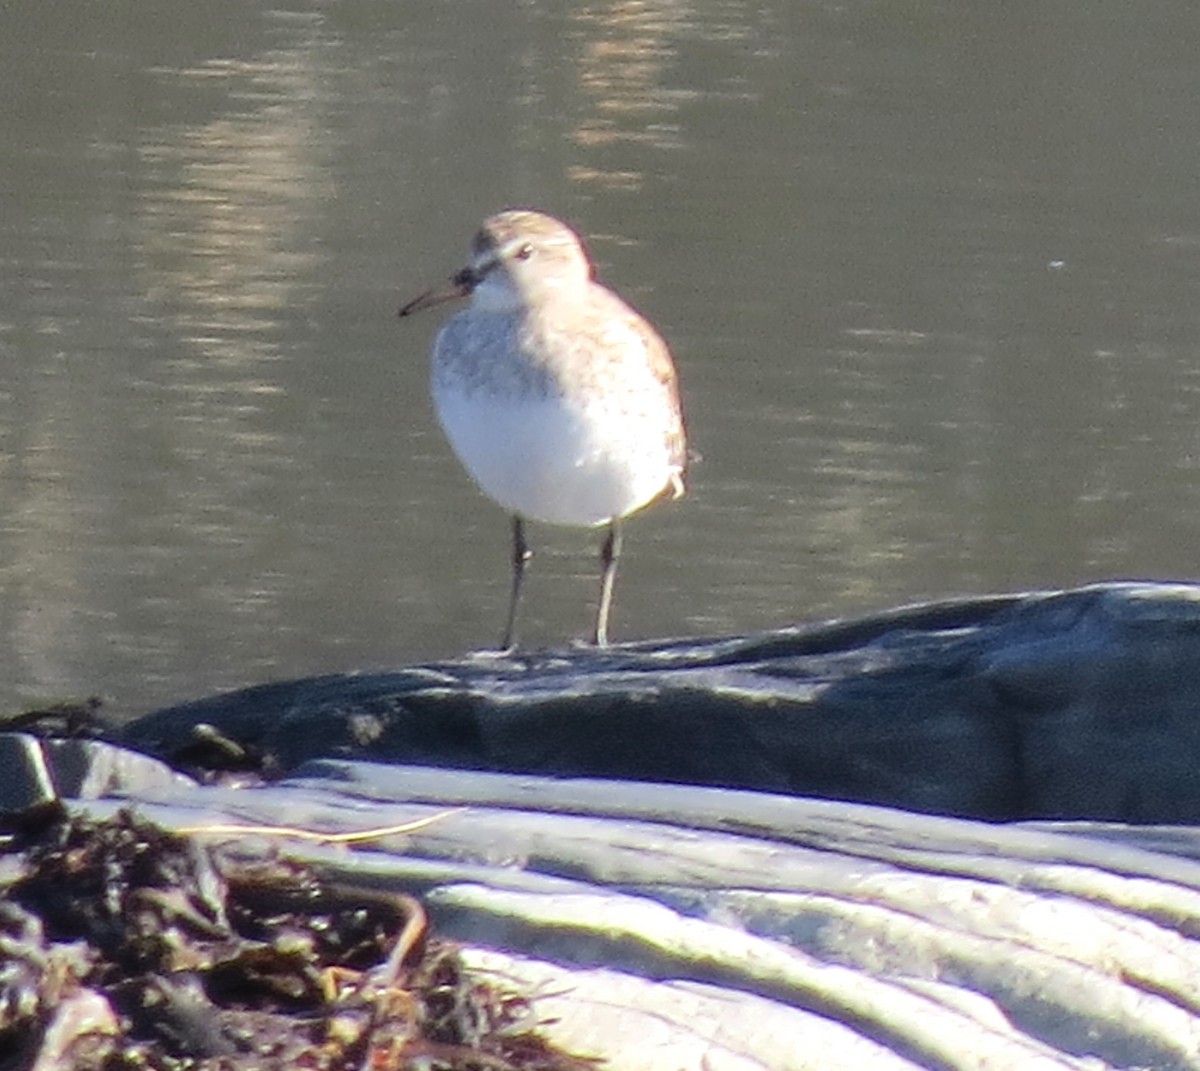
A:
x: 1071, y: 704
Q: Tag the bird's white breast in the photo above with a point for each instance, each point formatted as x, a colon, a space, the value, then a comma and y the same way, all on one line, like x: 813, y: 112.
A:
x: 552, y: 459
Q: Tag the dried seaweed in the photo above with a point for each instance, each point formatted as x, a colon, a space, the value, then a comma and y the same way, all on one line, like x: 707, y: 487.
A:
x: 127, y: 948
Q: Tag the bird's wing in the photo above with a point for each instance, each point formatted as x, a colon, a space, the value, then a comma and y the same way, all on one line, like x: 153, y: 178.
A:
x: 650, y: 352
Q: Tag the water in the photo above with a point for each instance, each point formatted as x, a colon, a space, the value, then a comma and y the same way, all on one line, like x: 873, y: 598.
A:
x: 930, y: 272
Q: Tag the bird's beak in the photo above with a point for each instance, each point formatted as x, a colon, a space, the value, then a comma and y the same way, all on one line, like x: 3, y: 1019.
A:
x: 460, y: 286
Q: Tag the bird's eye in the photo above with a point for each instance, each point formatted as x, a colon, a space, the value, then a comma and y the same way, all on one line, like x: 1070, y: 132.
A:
x: 525, y: 252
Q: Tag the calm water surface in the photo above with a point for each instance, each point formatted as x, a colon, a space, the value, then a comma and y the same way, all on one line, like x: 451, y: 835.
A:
x: 931, y: 272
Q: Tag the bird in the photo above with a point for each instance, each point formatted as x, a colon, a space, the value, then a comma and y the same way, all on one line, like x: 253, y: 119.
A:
x: 560, y: 400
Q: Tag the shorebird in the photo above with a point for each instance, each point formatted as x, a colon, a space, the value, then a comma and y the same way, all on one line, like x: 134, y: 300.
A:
x: 558, y: 398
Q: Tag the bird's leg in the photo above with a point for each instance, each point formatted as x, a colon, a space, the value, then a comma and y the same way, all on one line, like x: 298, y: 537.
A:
x: 520, y: 555
x: 610, y: 552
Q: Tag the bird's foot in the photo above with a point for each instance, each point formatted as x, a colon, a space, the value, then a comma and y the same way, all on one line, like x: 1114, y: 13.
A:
x: 491, y: 654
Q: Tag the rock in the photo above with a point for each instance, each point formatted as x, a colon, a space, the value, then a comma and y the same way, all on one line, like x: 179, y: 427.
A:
x: 1069, y: 704
x: 38, y: 771
x: 27, y: 780
x: 673, y: 926
x: 699, y: 925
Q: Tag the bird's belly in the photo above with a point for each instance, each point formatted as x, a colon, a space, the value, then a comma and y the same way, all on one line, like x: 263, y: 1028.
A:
x: 553, y: 462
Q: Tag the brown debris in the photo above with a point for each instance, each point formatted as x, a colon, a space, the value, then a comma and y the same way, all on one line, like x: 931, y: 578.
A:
x: 126, y: 948
x: 66, y: 720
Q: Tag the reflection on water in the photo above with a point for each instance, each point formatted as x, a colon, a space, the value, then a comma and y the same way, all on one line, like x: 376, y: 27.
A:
x: 929, y: 274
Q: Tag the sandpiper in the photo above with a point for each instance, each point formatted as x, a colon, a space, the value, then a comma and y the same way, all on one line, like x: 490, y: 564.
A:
x: 559, y: 399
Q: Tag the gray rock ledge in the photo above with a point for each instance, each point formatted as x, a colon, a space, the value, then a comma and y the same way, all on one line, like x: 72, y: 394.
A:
x: 1080, y: 704
x: 669, y: 926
